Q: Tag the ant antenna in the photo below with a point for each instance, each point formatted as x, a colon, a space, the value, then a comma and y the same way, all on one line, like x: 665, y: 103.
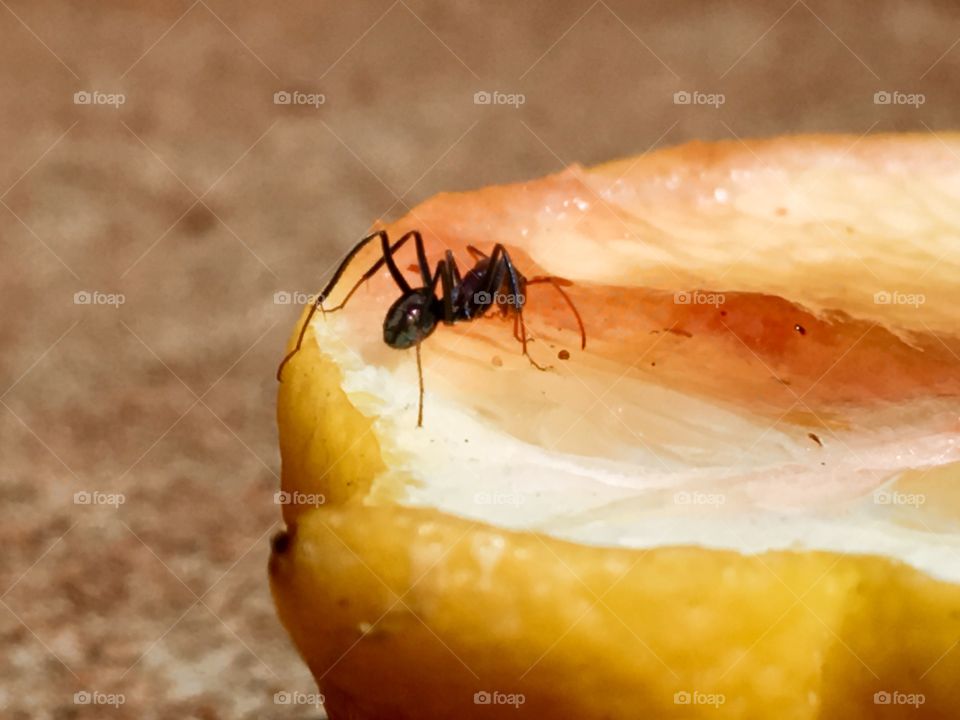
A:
x: 303, y: 331
x: 556, y: 283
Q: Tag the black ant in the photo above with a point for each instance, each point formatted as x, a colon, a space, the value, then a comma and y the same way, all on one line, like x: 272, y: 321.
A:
x: 493, y: 281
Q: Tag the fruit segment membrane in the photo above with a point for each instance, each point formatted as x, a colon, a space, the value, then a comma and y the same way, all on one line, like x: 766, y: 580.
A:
x: 772, y: 357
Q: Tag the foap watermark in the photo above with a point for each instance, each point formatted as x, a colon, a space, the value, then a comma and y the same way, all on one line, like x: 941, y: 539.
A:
x: 686, y: 697
x: 699, y: 498
x: 95, y: 297
x: 483, y: 97
x: 495, y: 697
x: 895, y: 97
x: 482, y: 297
x: 282, y: 297
x: 895, y: 297
x: 894, y: 497
x: 298, y: 698
x: 282, y: 497
x: 686, y: 97
x: 698, y: 298
x: 298, y: 97
x: 500, y: 498
x: 95, y: 97
x: 95, y: 497
x: 883, y: 697
x: 92, y: 697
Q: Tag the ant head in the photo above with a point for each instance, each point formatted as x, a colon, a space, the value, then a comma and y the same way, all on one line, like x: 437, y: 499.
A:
x: 409, y: 320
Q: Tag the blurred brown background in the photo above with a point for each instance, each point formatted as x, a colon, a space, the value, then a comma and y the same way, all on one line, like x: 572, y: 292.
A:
x: 199, y: 198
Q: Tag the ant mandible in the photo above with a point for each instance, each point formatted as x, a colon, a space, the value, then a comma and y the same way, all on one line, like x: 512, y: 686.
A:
x: 493, y: 281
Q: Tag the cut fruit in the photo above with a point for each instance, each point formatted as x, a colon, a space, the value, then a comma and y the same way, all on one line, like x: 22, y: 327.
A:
x: 741, y: 500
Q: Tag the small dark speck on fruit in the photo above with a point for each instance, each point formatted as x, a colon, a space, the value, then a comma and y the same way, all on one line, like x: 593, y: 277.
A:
x: 281, y: 541
x: 653, y: 364
x: 723, y: 313
x: 800, y: 329
x: 813, y: 436
x: 497, y: 361
x: 563, y: 355
x: 678, y: 331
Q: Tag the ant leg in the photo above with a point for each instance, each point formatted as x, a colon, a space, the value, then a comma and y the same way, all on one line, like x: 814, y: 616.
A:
x: 450, y: 280
x: 556, y: 283
x: 388, y: 251
x: 452, y: 262
x: 392, y: 264
x: 501, y: 258
x: 493, y: 281
x: 513, y: 282
x: 422, y: 267
x: 321, y: 296
x: 420, y: 378
x: 421, y: 257
x: 444, y: 276
x: 523, y: 341
x: 415, y: 267
x: 476, y: 253
x: 386, y: 259
x: 354, y: 251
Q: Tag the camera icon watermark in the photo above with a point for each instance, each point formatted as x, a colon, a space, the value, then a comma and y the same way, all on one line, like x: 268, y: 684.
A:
x: 282, y: 497
x: 686, y: 697
x: 699, y: 498
x: 297, y: 97
x: 484, y: 97
x: 895, y: 97
x: 296, y: 297
x: 95, y: 97
x: 495, y: 697
x: 695, y: 97
x: 95, y: 297
x: 484, y: 298
x: 884, y: 697
x: 887, y: 297
x: 696, y: 297
x: 92, y: 697
x: 87, y: 497
x: 894, y: 497
x: 298, y: 698
x: 500, y: 498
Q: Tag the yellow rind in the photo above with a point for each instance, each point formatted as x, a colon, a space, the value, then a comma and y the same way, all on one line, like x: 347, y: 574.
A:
x: 407, y: 612
x: 326, y: 444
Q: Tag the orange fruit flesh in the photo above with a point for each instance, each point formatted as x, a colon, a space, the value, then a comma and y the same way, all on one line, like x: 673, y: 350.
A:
x: 772, y: 326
